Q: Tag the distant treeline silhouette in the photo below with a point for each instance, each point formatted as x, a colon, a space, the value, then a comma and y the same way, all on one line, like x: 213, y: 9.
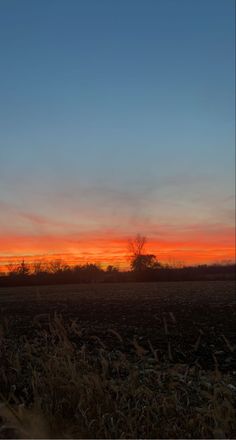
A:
x: 145, y: 269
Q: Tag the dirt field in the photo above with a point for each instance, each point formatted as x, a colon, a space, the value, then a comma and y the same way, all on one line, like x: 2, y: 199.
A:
x: 152, y: 360
x: 186, y: 322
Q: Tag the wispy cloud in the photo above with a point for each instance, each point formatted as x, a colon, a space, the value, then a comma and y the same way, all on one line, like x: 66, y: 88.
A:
x: 179, y: 216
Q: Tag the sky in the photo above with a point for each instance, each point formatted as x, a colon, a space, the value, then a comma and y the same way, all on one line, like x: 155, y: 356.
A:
x: 117, y: 118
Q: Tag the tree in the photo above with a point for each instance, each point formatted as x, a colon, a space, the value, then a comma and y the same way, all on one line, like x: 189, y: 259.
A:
x: 23, y: 268
x: 91, y: 272
x: 139, y: 260
x: 136, y: 245
x: 140, y: 263
x: 111, y: 274
x: 56, y: 266
x: 39, y: 267
x: 12, y: 269
x: 111, y: 269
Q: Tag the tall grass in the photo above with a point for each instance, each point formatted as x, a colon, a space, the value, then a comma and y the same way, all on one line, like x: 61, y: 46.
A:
x: 58, y: 384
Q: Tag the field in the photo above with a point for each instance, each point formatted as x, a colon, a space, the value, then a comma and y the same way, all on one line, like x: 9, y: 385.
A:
x: 146, y: 360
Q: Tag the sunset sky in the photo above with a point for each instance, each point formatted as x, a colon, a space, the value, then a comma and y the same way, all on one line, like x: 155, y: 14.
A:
x: 116, y: 118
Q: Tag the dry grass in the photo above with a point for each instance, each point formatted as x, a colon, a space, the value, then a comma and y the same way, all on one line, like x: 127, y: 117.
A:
x: 55, y: 386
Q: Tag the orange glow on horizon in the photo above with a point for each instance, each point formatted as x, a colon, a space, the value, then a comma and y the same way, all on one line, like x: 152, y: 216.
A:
x: 191, y: 248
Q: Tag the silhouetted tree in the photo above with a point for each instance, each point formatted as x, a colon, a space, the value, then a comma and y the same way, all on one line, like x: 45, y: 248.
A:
x: 141, y: 263
x: 23, y: 268
x: 91, y: 273
x: 112, y: 274
x: 56, y: 266
x: 12, y: 269
x: 111, y: 269
x: 136, y: 245
x: 39, y: 267
x: 17, y: 269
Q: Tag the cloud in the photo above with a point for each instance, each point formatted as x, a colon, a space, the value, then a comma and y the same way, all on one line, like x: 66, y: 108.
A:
x: 192, y: 243
x: 94, y: 221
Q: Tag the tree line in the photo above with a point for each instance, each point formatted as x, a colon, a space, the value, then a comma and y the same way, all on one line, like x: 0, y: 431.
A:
x: 144, y: 267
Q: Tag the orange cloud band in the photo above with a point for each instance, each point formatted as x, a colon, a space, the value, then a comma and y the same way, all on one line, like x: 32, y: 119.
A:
x: 194, y: 245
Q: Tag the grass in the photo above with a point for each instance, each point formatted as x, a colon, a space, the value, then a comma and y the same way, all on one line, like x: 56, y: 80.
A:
x: 59, y: 383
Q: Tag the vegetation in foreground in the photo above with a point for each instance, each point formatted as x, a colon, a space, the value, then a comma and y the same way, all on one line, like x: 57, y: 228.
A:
x: 57, y: 383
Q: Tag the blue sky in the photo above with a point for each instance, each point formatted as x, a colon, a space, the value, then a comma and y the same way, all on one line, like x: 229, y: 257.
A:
x: 122, y: 108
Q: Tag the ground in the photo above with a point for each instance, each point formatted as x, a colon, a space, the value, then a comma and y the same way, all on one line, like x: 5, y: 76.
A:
x: 187, y: 322
x: 151, y: 360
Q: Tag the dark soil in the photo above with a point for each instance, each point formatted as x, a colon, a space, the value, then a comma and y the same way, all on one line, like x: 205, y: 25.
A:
x: 189, y: 322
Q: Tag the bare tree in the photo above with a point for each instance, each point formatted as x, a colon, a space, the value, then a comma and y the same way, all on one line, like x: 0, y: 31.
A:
x: 21, y: 268
x: 136, y: 246
x: 56, y: 266
x: 139, y: 259
x: 39, y: 267
x: 24, y: 268
x: 12, y: 269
